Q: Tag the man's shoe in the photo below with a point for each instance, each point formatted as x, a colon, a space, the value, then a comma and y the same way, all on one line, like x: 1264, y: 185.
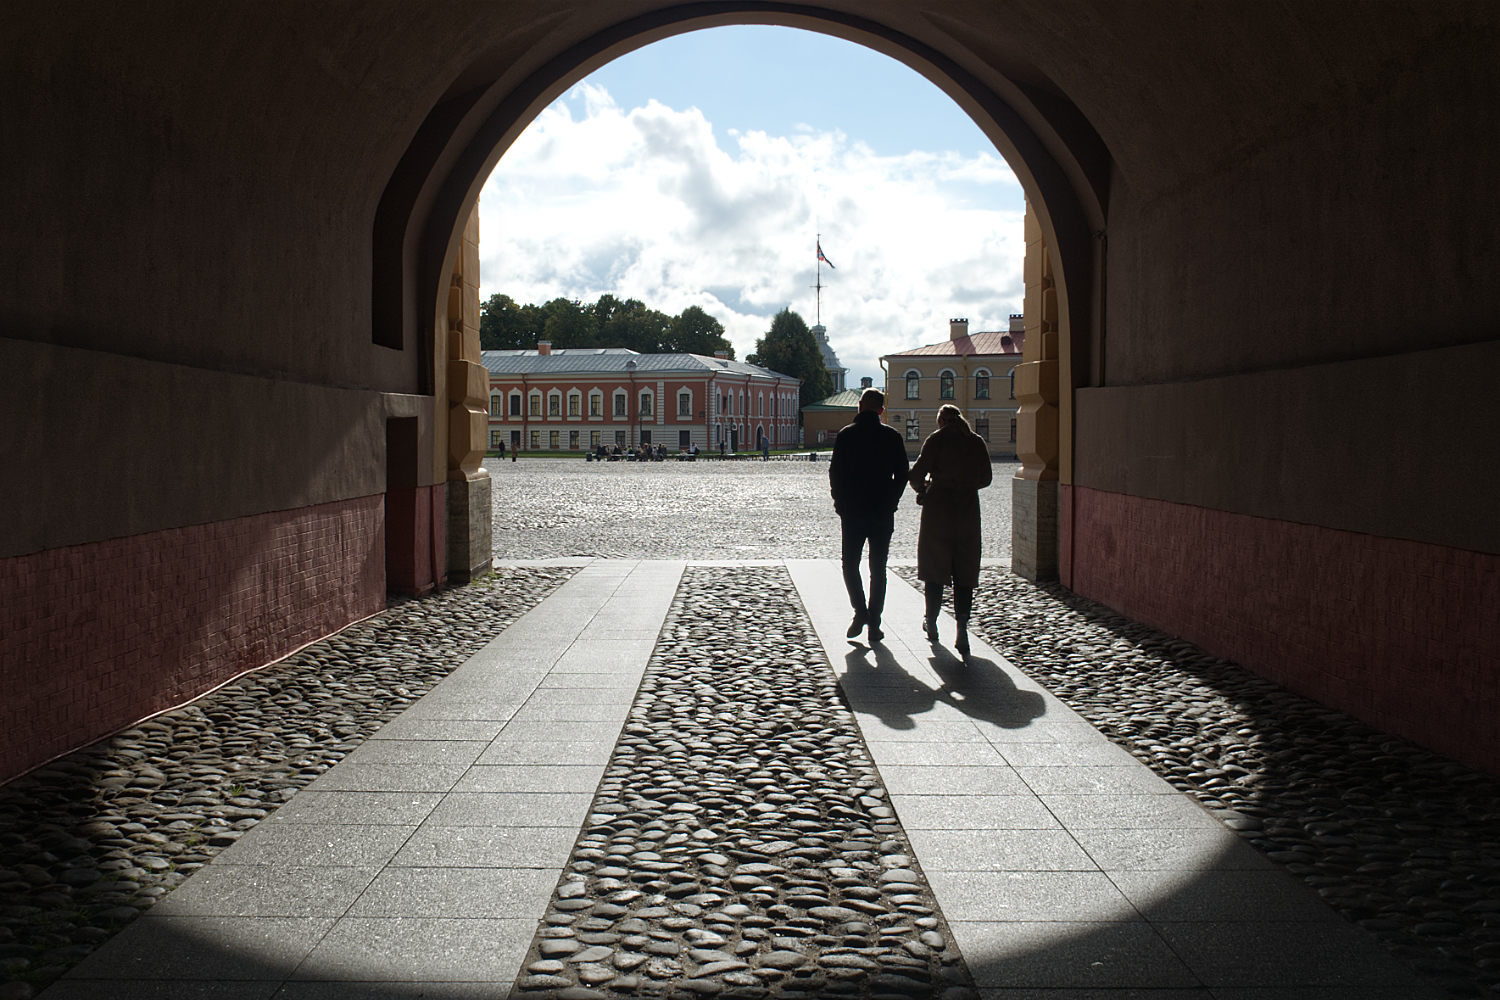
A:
x: 858, y: 624
x: 875, y: 634
x: 930, y: 627
x: 962, y: 642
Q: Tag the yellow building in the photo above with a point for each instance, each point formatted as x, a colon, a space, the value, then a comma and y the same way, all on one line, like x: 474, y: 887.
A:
x: 971, y: 371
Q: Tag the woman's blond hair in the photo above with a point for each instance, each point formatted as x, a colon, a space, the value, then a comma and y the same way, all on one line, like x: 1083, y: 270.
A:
x: 948, y: 413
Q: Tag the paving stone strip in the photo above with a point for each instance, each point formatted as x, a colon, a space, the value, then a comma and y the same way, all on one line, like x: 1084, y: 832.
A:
x: 91, y: 840
x: 741, y: 843
x: 1400, y: 840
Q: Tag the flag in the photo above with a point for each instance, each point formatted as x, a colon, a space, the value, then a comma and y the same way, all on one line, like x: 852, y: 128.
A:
x: 825, y: 259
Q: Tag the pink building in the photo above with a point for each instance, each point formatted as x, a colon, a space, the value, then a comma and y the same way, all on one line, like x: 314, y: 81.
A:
x: 575, y: 399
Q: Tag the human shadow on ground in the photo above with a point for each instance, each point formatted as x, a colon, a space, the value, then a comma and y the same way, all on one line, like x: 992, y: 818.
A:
x: 978, y: 688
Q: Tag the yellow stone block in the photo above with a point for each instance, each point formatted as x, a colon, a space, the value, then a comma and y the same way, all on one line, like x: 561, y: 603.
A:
x: 1033, y: 225
x: 468, y: 382
x: 455, y: 303
x: 1049, y: 308
x: 470, y: 259
x: 1036, y: 382
x: 467, y: 427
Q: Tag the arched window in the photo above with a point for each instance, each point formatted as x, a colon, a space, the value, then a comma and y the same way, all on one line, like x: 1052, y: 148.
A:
x: 914, y: 384
x: 620, y: 404
x: 982, y: 384
x: 945, y: 385
x: 575, y: 403
x: 497, y: 406
x: 646, y: 409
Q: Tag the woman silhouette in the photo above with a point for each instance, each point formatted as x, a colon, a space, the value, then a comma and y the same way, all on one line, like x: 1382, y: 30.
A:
x: 953, y: 467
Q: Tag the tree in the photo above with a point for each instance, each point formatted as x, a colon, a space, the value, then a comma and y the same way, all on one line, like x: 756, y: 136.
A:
x: 630, y: 324
x: 788, y: 347
x: 570, y: 324
x: 694, y: 331
x: 504, y: 325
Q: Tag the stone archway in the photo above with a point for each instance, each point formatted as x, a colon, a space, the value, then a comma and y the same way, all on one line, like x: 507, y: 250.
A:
x: 424, y: 218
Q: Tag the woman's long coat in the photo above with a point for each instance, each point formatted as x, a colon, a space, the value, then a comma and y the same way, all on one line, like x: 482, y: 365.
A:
x: 953, y: 467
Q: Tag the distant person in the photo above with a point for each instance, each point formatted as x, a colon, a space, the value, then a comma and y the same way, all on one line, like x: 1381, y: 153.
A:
x: 867, y: 476
x: 765, y: 449
x: 949, y: 473
x: 502, y: 451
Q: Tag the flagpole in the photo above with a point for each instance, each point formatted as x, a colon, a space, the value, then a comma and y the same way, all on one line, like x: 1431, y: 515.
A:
x: 818, y: 313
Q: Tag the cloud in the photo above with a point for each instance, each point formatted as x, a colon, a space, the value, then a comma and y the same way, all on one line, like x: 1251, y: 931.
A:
x: 647, y: 203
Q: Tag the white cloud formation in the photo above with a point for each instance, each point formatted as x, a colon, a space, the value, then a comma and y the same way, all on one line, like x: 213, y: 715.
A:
x: 647, y: 204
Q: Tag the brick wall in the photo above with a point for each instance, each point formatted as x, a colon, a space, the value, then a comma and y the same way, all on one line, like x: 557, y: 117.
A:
x: 96, y: 637
x: 1404, y: 635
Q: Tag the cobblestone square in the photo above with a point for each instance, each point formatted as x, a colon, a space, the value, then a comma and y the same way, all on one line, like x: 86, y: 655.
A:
x: 709, y: 509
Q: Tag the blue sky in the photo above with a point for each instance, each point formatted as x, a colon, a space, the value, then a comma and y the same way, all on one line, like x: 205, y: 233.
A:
x: 698, y: 171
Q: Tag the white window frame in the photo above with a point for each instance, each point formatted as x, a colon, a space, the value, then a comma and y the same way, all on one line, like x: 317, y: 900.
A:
x: 596, y: 403
x: 622, y: 404
x: 575, y: 403
x: 913, y: 378
x: 982, y: 373
x: 952, y: 380
x: 684, y: 402
x: 648, y: 403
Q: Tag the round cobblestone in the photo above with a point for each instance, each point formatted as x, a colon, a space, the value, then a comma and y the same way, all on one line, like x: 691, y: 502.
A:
x: 556, y: 507
x: 93, y: 839
x: 1400, y: 840
x: 734, y: 845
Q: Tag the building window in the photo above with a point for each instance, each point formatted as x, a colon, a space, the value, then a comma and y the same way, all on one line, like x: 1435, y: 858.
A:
x: 619, y: 439
x: 760, y: 405
x: 515, y: 440
x: 684, y: 404
x: 536, y: 404
x: 982, y: 427
x: 575, y: 404
x: 593, y: 440
x: 645, y: 437
x: 684, y: 440
x: 572, y: 440
x: 723, y: 405
x: 552, y: 441
x: 982, y: 385
x: 1012, y: 383
x: 497, y: 406
x: 536, y: 440
x: 913, y: 433
x: 554, y: 405
x: 495, y: 438
x: 645, y: 404
x: 945, y: 385
x: 913, y: 385
x: 515, y: 404
x: 1012, y: 430
x: 619, y: 404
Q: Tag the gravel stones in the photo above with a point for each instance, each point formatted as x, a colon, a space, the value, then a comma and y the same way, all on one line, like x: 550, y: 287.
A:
x: 733, y: 848
x: 550, y: 507
x: 1398, y: 839
x: 91, y: 840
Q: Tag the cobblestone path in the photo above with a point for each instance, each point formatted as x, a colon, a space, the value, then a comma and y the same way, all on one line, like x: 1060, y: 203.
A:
x: 741, y: 843
x: 549, y: 507
x: 1400, y: 840
x: 93, y: 839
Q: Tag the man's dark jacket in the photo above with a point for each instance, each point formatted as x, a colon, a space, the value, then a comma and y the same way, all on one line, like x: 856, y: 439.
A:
x: 868, y: 472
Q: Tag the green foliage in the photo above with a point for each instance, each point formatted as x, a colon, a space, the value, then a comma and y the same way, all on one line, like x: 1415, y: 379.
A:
x: 790, y: 348
x: 610, y: 322
x: 694, y: 331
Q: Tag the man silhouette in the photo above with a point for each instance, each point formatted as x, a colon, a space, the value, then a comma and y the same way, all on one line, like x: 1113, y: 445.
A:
x: 867, y: 475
